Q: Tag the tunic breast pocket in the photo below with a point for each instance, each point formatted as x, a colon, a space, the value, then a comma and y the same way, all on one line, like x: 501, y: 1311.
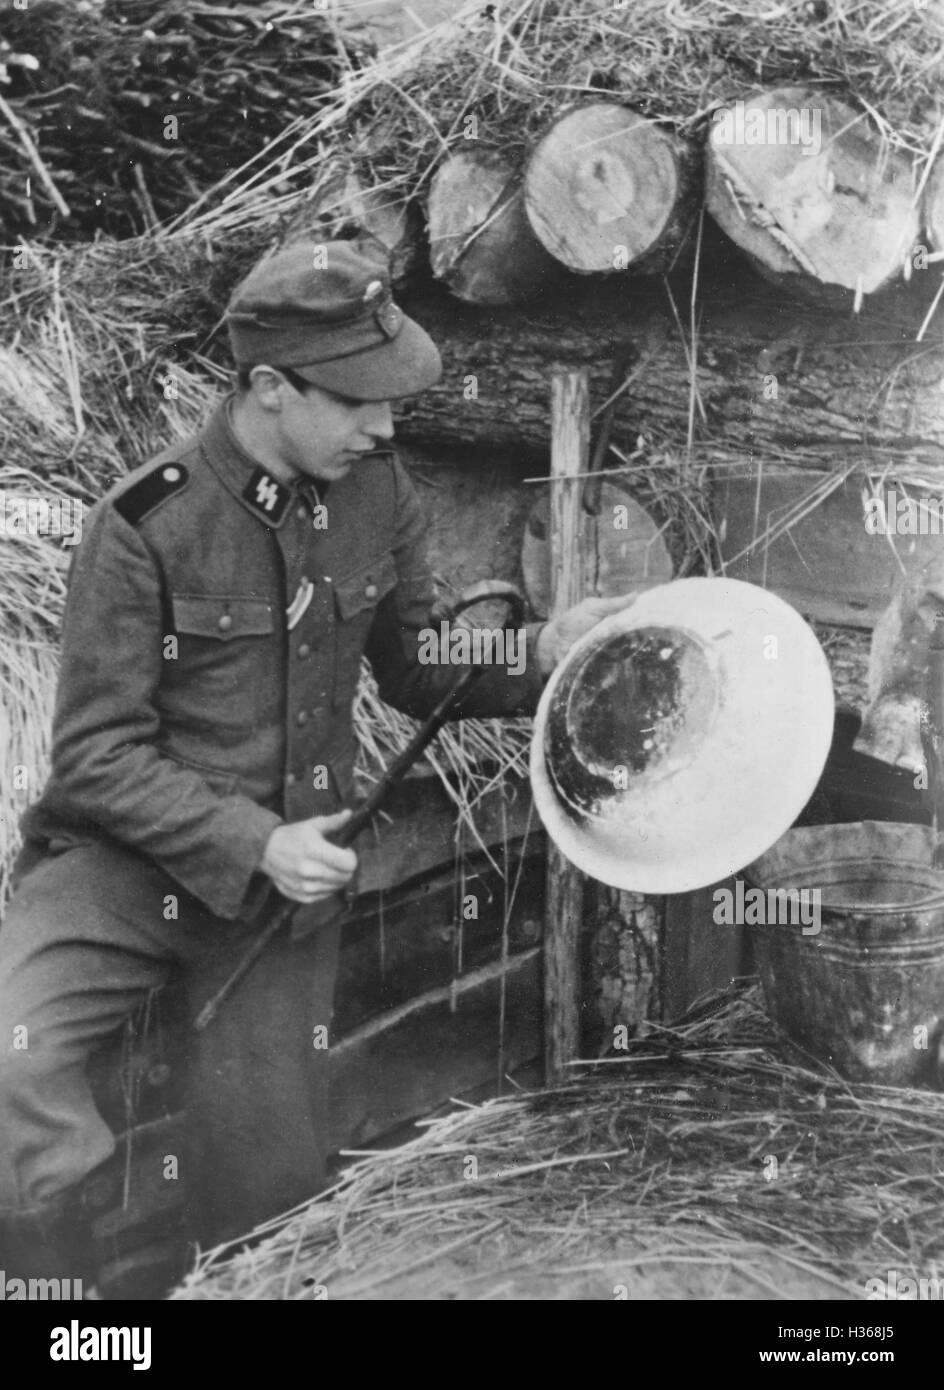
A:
x: 357, y: 595
x: 224, y: 671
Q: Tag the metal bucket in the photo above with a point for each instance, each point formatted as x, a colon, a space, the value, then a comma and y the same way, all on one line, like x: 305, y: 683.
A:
x: 866, y: 992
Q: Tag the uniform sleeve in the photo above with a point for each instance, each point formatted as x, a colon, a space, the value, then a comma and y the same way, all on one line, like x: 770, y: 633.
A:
x: 393, y: 644
x: 107, y: 769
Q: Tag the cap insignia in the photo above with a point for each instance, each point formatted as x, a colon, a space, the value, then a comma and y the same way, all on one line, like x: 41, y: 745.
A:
x: 388, y: 317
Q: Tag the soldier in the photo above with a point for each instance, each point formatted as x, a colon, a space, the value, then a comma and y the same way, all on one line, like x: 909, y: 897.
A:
x: 219, y: 607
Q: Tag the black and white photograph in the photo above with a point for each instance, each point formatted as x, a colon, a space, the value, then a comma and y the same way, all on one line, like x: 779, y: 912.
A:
x: 472, y: 662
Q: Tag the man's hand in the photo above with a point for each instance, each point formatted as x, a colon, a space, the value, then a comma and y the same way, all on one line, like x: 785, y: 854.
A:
x: 558, y: 636
x: 303, y: 865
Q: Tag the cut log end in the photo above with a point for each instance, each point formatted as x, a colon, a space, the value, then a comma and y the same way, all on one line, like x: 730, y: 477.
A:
x: 804, y: 185
x: 481, y: 245
x: 606, y: 189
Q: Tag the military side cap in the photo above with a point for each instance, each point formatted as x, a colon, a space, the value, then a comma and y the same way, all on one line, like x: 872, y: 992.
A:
x: 325, y: 310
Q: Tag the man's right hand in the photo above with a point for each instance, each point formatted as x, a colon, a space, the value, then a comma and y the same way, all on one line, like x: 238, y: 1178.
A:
x: 303, y: 865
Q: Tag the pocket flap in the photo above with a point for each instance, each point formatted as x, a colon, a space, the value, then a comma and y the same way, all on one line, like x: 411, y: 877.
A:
x: 204, y: 615
x: 366, y: 586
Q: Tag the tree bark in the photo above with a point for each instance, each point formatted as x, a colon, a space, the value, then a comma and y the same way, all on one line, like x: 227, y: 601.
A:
x: 481, y: 245
x: 624, y: 979
x: 803, y: 184
x: 773, y: 379
x: 606, y: 190
x: 571, y: 575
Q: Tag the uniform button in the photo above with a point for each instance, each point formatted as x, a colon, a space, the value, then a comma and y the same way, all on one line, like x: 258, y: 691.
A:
x: 291, y: 779
x: 171, y: 475
x: 370, y: 591
x: 301, y: 717
x: 301, y: 513
x: 225, y: 623
x: 304, y: 652
x: 158, y: 1075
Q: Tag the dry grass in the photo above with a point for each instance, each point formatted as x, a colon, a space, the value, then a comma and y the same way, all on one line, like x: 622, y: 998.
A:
x: 658, y: 1155
x: 81, y: 403
x: 471, y: 757
x: 514, y: 65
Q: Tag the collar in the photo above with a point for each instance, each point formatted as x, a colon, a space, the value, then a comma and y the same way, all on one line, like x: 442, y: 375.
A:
x: 265, y: 496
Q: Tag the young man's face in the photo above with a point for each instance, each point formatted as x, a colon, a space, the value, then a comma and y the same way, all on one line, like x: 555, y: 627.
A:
x: 311, y: 431
x: 323, y: 435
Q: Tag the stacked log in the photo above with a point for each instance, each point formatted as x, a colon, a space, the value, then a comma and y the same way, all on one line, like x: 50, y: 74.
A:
x: 606, y: 189
x: 480, y: 243
x: 810, y: 193
x: 773, y: 379
x: 800, y: 182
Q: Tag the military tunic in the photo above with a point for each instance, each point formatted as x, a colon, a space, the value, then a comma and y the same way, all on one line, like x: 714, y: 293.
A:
x: 212, y: 642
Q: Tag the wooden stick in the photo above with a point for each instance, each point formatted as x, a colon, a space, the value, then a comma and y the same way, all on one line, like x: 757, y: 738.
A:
x: 392, y: 777
x: 347, y: 834
x: 570, y: 572
x: 34, y: 157
x: 933, y: 737
x: 147, y: 207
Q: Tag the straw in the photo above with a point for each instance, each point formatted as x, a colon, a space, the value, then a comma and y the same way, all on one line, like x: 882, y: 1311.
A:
x: 662, y: 1158
x: 515, y: 66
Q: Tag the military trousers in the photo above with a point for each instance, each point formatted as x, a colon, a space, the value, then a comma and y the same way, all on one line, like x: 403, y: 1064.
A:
x: 89, y: 932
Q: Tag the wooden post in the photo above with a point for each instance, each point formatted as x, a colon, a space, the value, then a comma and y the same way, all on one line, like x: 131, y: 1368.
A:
x: 934, y: 205
x: 571, y: 578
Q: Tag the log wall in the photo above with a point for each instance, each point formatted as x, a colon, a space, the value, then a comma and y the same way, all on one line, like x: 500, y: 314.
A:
x: 843, y: 382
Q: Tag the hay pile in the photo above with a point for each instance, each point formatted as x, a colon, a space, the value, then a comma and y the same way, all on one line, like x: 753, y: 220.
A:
x: 82, y: 401
x: 513, y: 66
x: 654, y: 1171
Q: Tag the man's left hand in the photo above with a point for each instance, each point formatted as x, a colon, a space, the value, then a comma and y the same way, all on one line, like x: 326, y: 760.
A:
x: 558, y: 636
